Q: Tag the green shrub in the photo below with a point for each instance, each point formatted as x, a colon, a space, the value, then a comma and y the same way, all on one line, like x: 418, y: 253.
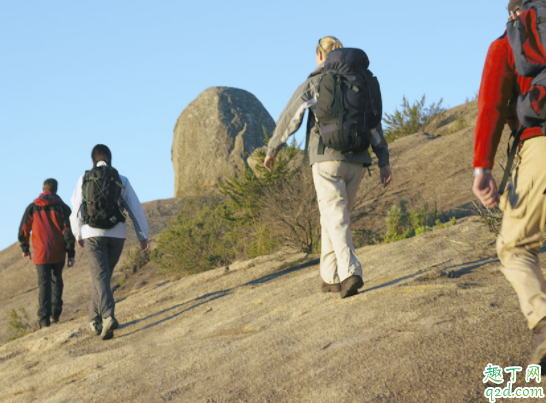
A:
x: 402, y: 224
x: 18, y: 324
x: 282, y: 202
x: 256, y: 214
x: 459, y: 124
x: 411, y: 118
x: 397, y: 222
x: 197, y: 239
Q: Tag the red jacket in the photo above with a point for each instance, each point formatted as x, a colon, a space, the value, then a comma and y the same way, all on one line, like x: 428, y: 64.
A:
x: 48, y: 218
x: 497, y: 102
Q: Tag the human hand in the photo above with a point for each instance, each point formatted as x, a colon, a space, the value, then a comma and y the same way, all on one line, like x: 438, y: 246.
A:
x: 385, y: 174
x: 485, y: 189
x: 145, y: 246
x: 27, y: 255
x: 81, y: 243
x: 269, y: 162
x: 70, y: 262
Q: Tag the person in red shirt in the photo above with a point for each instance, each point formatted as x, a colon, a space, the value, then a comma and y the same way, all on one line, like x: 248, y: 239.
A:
x: 48, y: 219
x: 524, y: 202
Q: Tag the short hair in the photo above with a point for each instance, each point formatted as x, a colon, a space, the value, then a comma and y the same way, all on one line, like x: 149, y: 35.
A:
x: 50, y: 185
x: 101, y: 153
x: 514, y: 5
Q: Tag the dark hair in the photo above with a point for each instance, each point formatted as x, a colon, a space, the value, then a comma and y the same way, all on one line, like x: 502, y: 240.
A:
x: 50, y: 185
x: 514, y: 5
x: 101, y: 153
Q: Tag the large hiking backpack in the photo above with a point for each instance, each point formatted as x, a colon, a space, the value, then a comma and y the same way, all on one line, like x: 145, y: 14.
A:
x: 349, y: 102
x: 101, y: 190
x: 527, y: 36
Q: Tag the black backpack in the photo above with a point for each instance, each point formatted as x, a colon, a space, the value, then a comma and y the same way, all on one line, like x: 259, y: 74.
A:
x: 527, y: 36
x: 349, y: 102
x: 101, y: 190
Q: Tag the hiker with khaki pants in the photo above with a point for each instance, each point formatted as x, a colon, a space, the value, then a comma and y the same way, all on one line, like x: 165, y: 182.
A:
x: 523, y: 202
x: 336, y: 183
x: 338, y: 140
x: 522, y: 231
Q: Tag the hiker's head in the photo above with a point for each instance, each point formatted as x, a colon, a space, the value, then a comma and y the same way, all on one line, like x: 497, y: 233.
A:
x: 50, y: 185
x: 325, y: 46
x: 514, y: 6
x: 101, y: 153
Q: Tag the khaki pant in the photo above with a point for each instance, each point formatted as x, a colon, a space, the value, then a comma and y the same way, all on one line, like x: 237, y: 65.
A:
x: 522, y: 231
x: 336, y: 183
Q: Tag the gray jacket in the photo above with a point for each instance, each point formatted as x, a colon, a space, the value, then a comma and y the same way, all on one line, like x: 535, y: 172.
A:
x: 305, y: 98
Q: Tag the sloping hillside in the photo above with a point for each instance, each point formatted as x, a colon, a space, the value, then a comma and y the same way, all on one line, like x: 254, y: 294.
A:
x: 428, y: 169
x: 435, y: 310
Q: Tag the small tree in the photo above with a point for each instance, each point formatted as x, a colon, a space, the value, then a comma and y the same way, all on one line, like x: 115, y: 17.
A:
x: 282, y: 201
x: 18, y: 324
x: 411, y: 119
x: 257, y: 214
x: 402, y: 224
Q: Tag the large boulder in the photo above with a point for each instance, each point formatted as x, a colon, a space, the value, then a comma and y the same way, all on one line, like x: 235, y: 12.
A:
x: 214, y: 136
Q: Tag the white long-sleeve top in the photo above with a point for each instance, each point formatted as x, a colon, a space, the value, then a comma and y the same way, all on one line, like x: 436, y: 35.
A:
x: 129, y: 201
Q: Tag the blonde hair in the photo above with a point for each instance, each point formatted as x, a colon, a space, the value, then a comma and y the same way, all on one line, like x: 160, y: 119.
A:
x: 327, y: 44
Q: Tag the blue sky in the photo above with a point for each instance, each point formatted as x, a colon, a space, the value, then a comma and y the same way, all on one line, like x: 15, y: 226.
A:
x: 74, y: 74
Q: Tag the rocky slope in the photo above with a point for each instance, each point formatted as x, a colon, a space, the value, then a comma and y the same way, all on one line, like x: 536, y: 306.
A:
x: 435, y: 310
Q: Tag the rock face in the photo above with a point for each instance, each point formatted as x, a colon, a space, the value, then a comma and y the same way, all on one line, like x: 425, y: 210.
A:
x: 214, y: 136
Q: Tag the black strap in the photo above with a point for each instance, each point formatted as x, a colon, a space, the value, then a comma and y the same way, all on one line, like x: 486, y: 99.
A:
x: 333, y: 77
x: 339, y: 109
x: 511, y: 155
x: 321, y: 146
x: 305, y: 150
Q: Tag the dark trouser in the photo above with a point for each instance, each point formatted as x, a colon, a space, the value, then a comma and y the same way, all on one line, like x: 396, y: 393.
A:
x: 50, y: 282
x: 103, y: 253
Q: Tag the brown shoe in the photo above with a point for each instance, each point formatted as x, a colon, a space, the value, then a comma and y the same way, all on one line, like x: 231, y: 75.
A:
x: 538, y: 356
x: 330, y: 287
x: 350, y: 286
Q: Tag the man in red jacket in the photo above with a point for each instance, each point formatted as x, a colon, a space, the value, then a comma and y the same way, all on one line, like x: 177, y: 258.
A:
x: 48, y: 220
x: 523, y: 203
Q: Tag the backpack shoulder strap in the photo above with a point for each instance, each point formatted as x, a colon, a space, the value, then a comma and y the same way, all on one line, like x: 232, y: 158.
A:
x: 511, y: 155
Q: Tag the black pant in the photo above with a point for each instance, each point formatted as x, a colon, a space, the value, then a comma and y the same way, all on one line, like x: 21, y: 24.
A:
x: 50, y: 281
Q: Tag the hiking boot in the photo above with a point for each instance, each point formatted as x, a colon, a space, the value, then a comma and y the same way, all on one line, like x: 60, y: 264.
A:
x: 538, y: 356
x: 54, y: 319
x: 109, y: 324
x: 350, y: 286
x: 330, y: 287
x: 44, y: 322
x: 96, y: 328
